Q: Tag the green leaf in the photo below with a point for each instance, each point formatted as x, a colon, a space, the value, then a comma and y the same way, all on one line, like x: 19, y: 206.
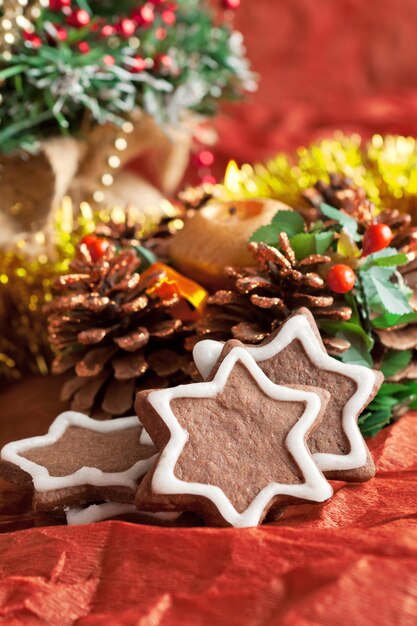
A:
x: 349, y: 224
x: 333, y: 328
x: 381, y: 294
x: 386, y: 320
x: 305, y: 244
x: 391, y: 388
x: 266, y: 234
x: 388, y: 257
x: 358, y: 353
x: 371, y: 423
x: 323, y: 242
x: 290, y: 222
x: 394, y: 361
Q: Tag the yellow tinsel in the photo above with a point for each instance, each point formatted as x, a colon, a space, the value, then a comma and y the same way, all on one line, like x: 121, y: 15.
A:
x: 385, y: 166
x: 27, y: 273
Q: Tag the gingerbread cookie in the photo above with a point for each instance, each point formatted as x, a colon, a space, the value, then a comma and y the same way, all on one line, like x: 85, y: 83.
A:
x: 232, y: 448
x: 116, y: 510
x: 295, y: 355
x: 80, y: 460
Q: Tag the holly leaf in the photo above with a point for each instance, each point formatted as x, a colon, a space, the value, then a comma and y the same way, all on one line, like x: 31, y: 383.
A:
x: 289, y: 222
x: 348, y: 223
x: 382, y: 295
x: 394, y: 361
x: 390, y: 398
x: 358, y: 353
x: 386, y: 320
x: 371, y: 422
x: 333, y: 328
x: 388, y: 257
x: 305, y: 244
x: 266, y: 234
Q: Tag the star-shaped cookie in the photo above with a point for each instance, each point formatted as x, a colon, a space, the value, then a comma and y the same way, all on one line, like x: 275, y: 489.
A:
x: 295, y: 355
x: 231, y: 448
x: 80, y: 460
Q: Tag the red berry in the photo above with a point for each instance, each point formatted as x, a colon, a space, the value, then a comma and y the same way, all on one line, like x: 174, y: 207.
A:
x: 61, y: 32
x: 33, y: 39
x: 377, y: 237
x: 341, y: 278
x: 205, y: 158
x: 57, y: 5
x: 168, y: 17
x: 108, y: 30
x: 231, y: 4
x: 83, y: 47
x: 162, y: 62
x: 160, y: 33
x: 137, y: 64
x: 108, y: 59
x: 144, y: 16
x: 96, y: 246
x: 209, y: 180
x: 126, y: 27
x: 79, y: 18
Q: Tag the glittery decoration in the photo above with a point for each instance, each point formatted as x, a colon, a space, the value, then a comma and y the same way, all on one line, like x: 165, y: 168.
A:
x: 385, y: 167
x: 29, y: 269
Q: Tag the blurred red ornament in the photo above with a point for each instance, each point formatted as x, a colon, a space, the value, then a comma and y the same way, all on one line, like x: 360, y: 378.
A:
x: 231, y: 4
x: 84, y: 47
x: 160, y: 33
x: 79, y: 18
x: 33, y: 39
x: 209, y: 180
x: 341, y: 278
x: 108, y: 59
x: 162, y: 62
x: 58, y: 5
x: 96, y: 246
x: 137, y: 64
x: 61, y: 33
x: 205, y: 158
x: 126, y: 27
x: 144, y: 16
x: 168, y: 17
x: 377, y: 237
x: 108, y: 30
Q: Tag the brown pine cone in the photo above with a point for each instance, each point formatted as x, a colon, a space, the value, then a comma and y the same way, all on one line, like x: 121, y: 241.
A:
x: 342, y: 193
x: 114, y: 333
x: 264, y: 295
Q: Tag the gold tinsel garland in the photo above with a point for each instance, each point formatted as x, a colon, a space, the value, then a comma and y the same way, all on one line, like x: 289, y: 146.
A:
x: 385, y: 166
x: 28, y: 271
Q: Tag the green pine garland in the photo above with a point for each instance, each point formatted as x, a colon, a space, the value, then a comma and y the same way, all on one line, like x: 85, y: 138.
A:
x: 49, y: 86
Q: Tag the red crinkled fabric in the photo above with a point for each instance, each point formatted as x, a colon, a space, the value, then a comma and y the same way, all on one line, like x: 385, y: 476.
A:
x: 350, y: 561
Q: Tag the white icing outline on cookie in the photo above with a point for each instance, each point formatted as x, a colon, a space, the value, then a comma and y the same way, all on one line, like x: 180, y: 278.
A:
x: 164, y: 481
x: 43, y: 481
x: 145, y: 439
x: 106, y: 510
x: 207, y: 352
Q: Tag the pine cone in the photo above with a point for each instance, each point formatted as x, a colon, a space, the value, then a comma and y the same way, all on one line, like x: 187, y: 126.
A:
x: 342, y: 193
x: 264, y: 295
x: 113, y: 333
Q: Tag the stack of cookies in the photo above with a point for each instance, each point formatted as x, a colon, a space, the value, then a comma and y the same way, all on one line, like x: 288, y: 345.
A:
x: 267, y: 427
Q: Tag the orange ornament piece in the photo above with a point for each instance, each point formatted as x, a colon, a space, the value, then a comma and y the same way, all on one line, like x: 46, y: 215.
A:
x: 193, y: 296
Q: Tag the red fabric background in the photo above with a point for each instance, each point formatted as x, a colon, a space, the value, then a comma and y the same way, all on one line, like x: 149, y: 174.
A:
x: 325, y: 64
x: 349, y: 561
